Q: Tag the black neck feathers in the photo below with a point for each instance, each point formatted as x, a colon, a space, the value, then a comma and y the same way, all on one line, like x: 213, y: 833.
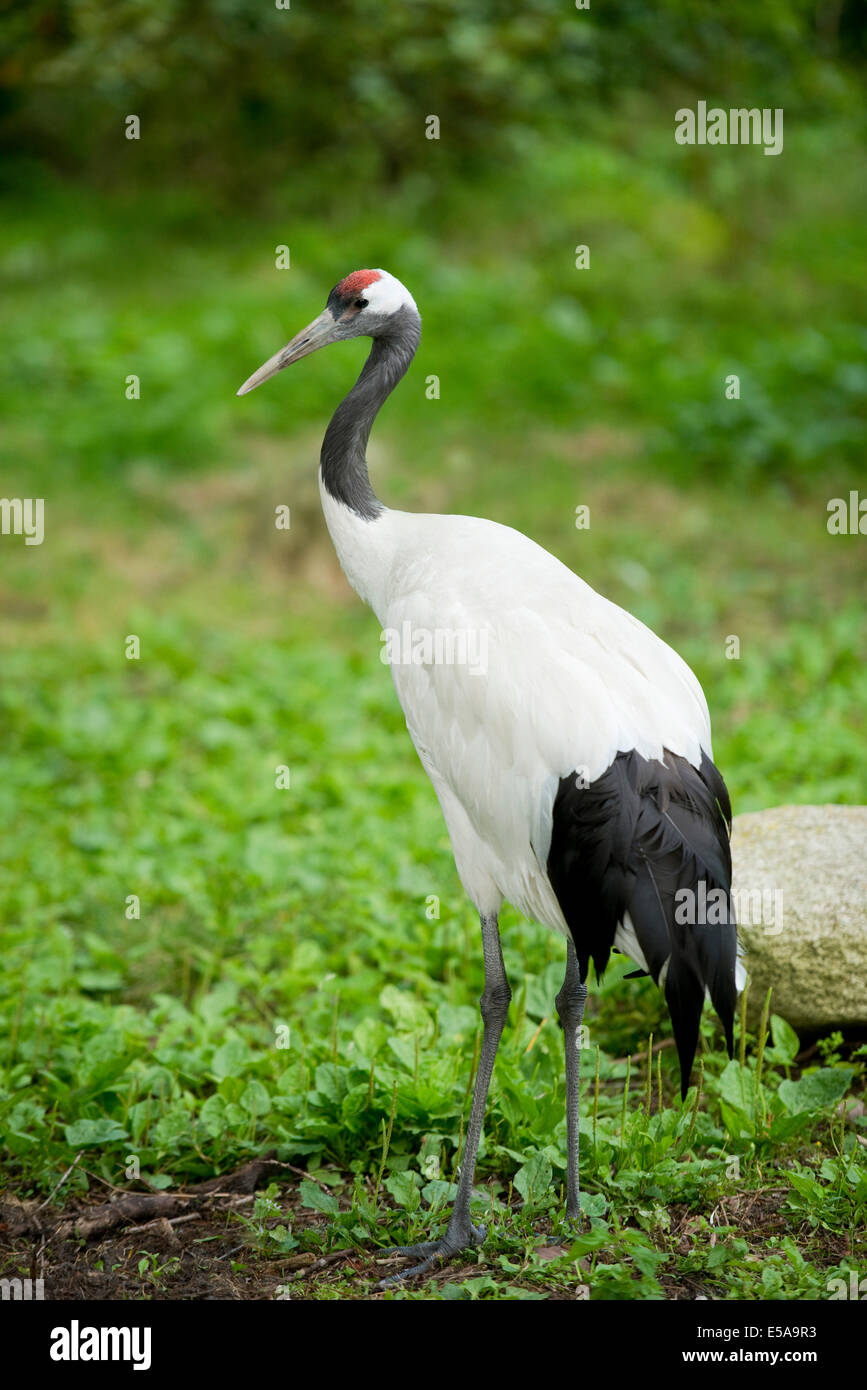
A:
x: 343, y: 460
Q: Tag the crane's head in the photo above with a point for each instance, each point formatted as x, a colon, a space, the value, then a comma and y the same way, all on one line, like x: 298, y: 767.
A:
x: 366, y: 303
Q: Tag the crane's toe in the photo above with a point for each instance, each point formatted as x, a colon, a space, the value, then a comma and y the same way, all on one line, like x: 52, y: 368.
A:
x: 432, y: 1253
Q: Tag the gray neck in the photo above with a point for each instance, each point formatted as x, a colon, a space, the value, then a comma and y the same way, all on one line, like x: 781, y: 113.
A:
x: 343, y: 460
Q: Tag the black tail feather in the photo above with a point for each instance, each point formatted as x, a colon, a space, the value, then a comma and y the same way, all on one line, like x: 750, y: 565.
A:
x: 651, y: 839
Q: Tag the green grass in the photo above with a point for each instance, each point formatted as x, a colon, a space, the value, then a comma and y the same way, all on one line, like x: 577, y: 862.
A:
x: 153, y: 1041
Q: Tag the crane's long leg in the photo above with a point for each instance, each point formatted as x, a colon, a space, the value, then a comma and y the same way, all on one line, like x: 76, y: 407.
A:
x: 460, y: 1232
x: 570, y: 1007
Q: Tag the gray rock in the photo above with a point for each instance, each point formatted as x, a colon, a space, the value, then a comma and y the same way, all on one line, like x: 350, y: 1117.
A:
x: 807, y: 934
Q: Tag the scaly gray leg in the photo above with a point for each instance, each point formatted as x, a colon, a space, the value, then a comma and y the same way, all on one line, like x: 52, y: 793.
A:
x: 570, y: 1007
x: 460, y: 1232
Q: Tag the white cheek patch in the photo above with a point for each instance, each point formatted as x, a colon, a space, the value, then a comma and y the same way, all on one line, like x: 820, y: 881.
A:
x: 386, y: 295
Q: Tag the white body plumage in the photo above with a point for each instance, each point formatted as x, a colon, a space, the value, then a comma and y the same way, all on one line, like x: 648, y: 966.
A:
x: 570, y: 680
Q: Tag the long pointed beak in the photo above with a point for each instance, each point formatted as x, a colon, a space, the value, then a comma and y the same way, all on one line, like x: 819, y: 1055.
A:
x: 317, y: 334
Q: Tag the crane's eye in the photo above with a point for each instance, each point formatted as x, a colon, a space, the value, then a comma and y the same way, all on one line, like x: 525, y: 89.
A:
x: 361, y: 303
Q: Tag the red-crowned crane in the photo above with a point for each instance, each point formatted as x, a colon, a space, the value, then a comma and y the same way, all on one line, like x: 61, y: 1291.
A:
x: 571, y: 756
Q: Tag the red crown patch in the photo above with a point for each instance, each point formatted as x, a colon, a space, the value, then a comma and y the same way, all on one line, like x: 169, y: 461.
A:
x: 358, y: 280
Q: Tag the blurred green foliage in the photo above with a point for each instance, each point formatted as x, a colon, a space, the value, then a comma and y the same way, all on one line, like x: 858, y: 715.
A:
x: 243, y: 93
x: 263, y: 126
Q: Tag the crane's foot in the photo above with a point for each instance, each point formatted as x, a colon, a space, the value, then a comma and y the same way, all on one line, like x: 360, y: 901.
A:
x: 575, y: 1226
x: 432, y: 1253
x: 574, y: 1217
